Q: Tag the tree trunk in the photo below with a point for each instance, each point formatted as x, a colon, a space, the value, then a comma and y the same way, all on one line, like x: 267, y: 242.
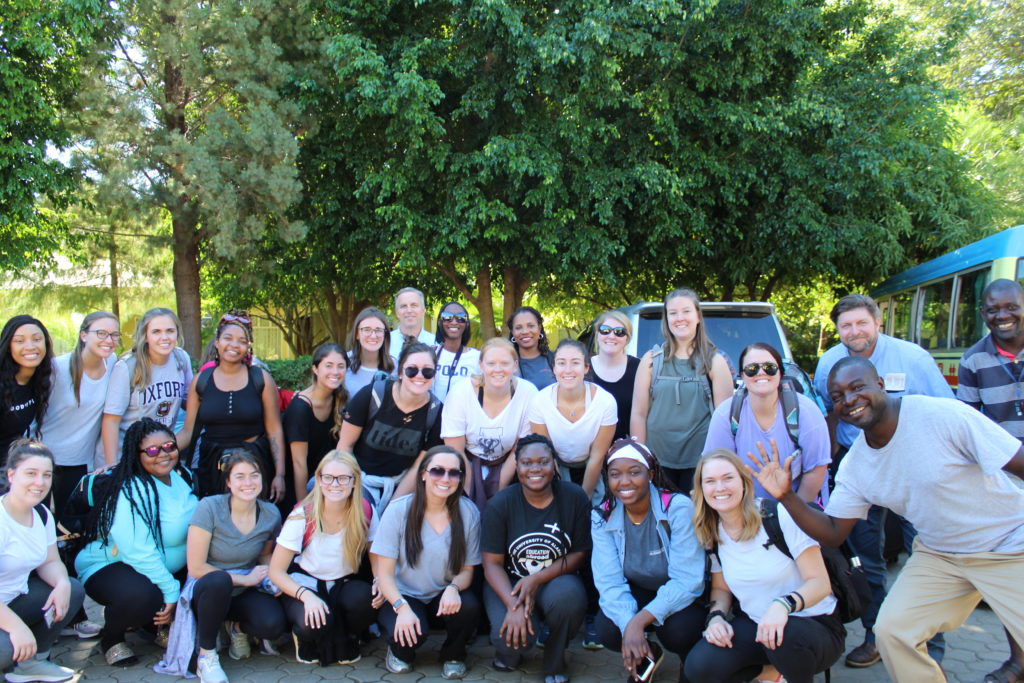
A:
x: 514, y: 289
x: 186, y: 275
x: 115, y: 294
x: 485, y: 304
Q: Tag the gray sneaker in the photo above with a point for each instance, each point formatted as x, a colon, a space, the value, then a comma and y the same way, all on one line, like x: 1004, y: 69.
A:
x: 239, y: 648
x: 453, y: 669
x: 39, y: 670
x: 397, y: 666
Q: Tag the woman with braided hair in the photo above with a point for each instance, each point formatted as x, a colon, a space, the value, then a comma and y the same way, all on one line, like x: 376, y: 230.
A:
x: 137, y: 538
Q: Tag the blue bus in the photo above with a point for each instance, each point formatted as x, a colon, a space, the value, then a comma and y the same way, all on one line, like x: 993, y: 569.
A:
x: 937, y: 304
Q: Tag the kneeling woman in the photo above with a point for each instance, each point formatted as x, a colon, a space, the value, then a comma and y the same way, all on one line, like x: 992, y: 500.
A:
x: 36, y: 596
x: 535, y: 535
x: 423, y: 558
x: 138, y: 537
x: 326, y: 601
x: 229, y: 544
x: 650, y: 571
x: 787, y: 618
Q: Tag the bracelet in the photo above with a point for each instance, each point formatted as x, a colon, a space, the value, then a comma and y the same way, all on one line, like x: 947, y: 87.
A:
x: 278, y: 476
x: 452, y: 585
x: 785, y: 605
x: 803, y: 603
x: 712, y: 615
x: 298, y: 593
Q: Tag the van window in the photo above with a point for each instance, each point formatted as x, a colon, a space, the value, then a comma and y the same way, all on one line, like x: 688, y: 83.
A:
x: 934, y: 326
x: 731, y: 330
x: 969, y: 326
x: 900, y: 310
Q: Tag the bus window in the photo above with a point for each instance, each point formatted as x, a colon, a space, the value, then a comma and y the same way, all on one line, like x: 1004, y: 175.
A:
x: 1020, y: 271
x: 934, y: 326
x: 900, y: 311
x: 969, y: 327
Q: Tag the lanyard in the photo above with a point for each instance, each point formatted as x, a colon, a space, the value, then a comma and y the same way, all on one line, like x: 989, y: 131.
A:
x: 1016, y: 380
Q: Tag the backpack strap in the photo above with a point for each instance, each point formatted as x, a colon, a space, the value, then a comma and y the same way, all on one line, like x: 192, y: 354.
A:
x: 377, y: 389
x: 256, y: 377
x: 657, y: 363
x: 791, y: 411
x: 43, y: 512
x: 203, y: 381
x: 770, y: 521
x: 310, y: 527
x: 432, y: 413
x: 703, y: 378
x: 735, y: 409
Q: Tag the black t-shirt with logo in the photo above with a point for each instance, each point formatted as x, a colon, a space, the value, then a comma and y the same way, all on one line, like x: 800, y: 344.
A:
x: 532, y: 539
x: 16, y: 418
x: 390, y: 442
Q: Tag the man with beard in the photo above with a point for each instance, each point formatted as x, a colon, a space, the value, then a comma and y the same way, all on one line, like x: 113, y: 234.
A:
x: 992, y: 380
x: 906, y: 369
x: 931, y: 460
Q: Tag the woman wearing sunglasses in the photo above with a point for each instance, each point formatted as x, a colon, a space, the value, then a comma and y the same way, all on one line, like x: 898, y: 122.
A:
x: 762, y: 420
x: 612, y: 368
x: 317, y: 564
x: 231, y: 404
x: 368, y: 349
x: 138, y: 538
x: 390, y: 423
x: 455, y: 360
x: 423, y: 557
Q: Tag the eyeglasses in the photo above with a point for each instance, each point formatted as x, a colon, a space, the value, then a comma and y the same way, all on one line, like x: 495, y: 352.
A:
x: 340, y: 480
x: 751, y: 369
x: 373, y: 331
x: 461, y: 318
x: 608, y: 329
x: 232, y: 318
x: 103, y: 334
x: 427, y: 372
x: 440, y: 472
x: 153, y: 451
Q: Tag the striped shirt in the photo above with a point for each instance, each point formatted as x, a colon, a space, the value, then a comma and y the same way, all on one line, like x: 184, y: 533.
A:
x: 994, y: 385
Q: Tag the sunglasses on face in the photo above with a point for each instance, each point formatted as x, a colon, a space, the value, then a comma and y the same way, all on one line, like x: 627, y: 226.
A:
x: 153, y: 451
x: 608, y: 329
x: 340, y: 480
x: 461, y: 318
x: 103, y: 334
x: 439, y: 472
x: 411, y: 371
x: 751, y: 369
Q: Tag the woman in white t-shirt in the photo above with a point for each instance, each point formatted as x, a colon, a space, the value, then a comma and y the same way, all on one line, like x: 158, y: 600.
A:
x: 578, y: 416
x: 485, y: 417
x: 317, y: 562
x: 36, y: 596
x: 455, y: 361
x: 787, y: 620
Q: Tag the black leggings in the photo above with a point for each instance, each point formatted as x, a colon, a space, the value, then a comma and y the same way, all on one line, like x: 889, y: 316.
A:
x: 350, y: 612
x: 809, y: 645
x: 130, y: 598
x: 682, y: 478
x: 259, y: 614
x: 677, y: 634
x: 461, y: 626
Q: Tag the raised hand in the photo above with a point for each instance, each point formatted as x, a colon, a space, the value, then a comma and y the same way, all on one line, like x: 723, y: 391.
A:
x: 774, y: 477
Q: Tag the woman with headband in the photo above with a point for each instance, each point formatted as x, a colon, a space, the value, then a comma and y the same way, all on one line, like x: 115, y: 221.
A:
x: 648, y: 566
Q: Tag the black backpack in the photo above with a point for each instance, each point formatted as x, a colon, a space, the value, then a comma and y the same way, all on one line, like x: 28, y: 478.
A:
x: 849, y: 583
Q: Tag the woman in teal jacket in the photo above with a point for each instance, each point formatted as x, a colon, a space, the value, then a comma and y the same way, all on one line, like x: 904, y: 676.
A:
x: 139, y: 532
x: 649, y: 573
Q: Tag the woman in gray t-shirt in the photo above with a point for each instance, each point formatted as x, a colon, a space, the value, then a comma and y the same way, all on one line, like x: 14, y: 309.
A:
x: 423, y: 557
x: 230, y: 540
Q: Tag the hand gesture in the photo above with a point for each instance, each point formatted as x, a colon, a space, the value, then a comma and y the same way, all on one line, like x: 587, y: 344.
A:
x: 774, y: 477
x: 165, y: 615
x: 277, y: 490
x: 451, y: 601
x: 314, y: 610
x: 254, y: 577
x: 23, y: 642
x: 634, y: 646
x: 407, y: 627
x: 773, y: 623
x: 719, y: 632
x: 378, y: 597
x: 516, y: 628
x: 524, y: 594
x: 59, y: 599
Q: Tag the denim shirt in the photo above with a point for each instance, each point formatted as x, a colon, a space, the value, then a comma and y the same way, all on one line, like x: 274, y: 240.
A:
x: 685, y: 561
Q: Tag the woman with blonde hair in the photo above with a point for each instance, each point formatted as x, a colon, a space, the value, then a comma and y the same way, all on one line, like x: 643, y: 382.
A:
x: 768, y: 607
x: 151, y: 381
x: 612, y: 368
x: 485, y: 417
x: 678, y: 386
x: 317, y: 564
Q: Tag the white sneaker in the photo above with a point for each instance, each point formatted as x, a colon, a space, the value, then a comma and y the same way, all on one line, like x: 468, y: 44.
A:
x: 83, y: 629
x: 39, y: 670
x: 208, y: 668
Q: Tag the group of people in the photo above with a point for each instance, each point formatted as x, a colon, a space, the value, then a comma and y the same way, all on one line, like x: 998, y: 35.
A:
x: 419, y: 484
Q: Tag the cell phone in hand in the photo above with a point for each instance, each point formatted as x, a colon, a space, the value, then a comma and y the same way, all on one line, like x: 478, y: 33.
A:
x: 645, y: 670
x: 49, y: 615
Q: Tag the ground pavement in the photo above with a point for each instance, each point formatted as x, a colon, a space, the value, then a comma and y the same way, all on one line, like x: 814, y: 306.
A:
x: 972, y: 651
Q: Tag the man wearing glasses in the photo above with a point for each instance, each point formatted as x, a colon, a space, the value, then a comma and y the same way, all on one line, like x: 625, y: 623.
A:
x: 906, y: 369
x: 410, y: 308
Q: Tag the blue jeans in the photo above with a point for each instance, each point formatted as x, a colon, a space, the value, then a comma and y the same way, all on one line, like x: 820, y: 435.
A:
x: 866, y: 542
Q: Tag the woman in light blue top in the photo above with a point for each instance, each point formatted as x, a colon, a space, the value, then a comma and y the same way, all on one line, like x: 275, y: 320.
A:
x: 138, y: 534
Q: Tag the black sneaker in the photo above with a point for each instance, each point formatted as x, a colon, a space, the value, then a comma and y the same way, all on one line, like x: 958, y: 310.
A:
x: 862, y: 656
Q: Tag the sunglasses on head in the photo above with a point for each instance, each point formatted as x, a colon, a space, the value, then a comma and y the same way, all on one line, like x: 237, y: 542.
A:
x: 153, y: 451
x: 751, y: 369
x: 438, y: 472
x: 608, y: 329
x: 461, y: 318
x: 427, y: 372
x: 232, y: 318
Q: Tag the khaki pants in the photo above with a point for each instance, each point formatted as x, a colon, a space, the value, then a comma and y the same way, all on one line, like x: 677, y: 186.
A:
x: 937, y: 592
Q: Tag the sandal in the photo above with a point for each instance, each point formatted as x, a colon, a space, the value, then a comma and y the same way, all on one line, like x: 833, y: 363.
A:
x: 1009, y: 672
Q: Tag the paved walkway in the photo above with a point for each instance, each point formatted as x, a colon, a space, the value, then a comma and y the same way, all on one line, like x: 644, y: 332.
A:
x: 972, y: 651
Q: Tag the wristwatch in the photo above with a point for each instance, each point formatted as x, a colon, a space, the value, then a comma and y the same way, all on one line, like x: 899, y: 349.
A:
x: 397, y: 604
